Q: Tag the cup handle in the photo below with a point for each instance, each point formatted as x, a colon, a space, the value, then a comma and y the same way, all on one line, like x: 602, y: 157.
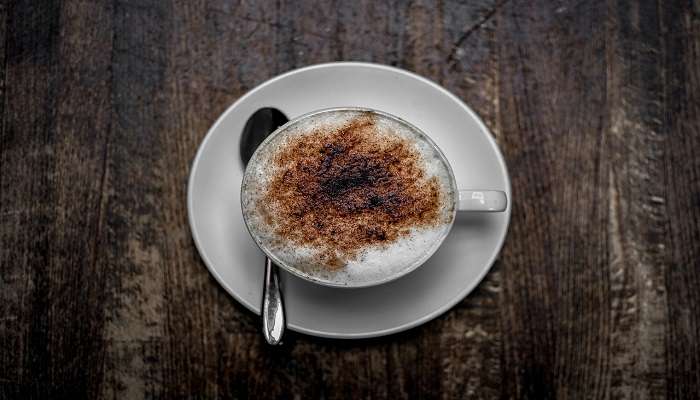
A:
x: 482, y: 200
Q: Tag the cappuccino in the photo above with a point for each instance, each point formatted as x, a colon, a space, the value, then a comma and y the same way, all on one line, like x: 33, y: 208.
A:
x: 348, y: 197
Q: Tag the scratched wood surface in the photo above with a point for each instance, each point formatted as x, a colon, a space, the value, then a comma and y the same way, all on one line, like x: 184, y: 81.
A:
x: 596, y: 106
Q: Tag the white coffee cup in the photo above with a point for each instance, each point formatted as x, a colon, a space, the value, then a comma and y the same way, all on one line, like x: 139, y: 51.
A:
x: 464, y: 200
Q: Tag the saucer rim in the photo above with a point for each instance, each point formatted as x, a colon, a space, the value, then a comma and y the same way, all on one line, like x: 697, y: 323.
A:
x: 377, y: 333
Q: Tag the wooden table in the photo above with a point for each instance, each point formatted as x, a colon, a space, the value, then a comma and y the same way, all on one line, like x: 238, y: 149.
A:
x: 596, y: 106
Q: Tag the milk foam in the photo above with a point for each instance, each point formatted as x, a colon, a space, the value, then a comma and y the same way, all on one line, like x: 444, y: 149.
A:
x: 373, y: 263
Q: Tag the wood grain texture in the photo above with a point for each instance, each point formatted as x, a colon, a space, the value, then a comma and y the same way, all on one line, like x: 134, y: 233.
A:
x: 594, y: 104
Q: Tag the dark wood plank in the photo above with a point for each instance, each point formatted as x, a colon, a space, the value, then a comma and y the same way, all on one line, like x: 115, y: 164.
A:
x: 552, y: 107
x: 136, y: 230
x: 680, y: 181
x: 57, y: 107
x: 3, y: 59
x: 27, y: 196
x: 638, y: 219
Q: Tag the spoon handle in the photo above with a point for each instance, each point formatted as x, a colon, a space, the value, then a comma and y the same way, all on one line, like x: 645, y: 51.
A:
x: 272, y: 307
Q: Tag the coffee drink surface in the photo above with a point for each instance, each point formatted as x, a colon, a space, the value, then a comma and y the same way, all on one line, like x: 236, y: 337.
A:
x: 348, y: 197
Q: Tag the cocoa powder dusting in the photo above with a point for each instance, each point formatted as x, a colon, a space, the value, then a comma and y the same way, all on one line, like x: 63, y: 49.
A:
x: 342, y: 189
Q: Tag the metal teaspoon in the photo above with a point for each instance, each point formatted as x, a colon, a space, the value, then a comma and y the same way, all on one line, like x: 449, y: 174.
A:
x: 262, y: 123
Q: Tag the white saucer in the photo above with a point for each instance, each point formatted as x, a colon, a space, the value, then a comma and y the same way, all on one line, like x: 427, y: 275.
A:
x: 458, y: 266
